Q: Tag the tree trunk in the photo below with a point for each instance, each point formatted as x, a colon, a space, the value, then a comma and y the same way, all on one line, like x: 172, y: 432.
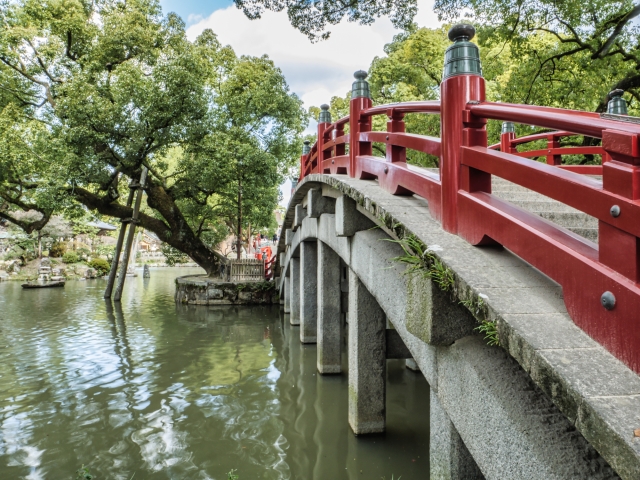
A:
x: 173, y: 229
x: 239, y: 231
x: 39, y: 244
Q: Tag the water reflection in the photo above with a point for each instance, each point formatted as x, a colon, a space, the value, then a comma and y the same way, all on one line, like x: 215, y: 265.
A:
x: 170, y: 391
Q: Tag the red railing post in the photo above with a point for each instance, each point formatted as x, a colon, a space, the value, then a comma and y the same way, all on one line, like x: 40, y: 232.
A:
x: 553, y: 142
x: 324, y: 121
x: 395, y: 124
x: 620, y: 175
x: 616, y: 106
x: 462, y: 83
x: 306, y: 148
x: 507, y: 136
x: 341, y: 148
x: 360, y: 100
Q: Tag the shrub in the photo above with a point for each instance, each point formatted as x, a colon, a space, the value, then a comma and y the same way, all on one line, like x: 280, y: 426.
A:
x: 11, y: 255
x: 57, y: 250
x: 104, y: 251
x: 100, y: 265
x: 173, y: 255
x: 70, y: 257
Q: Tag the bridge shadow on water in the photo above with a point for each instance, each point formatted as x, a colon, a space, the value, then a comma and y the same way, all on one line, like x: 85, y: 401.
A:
x: 315, y: 439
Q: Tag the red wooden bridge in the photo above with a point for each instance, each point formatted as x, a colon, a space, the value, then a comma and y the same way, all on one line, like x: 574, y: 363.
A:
x: 600, y: 281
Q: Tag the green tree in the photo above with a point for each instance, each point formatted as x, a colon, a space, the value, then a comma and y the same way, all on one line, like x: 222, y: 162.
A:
x: 312, y: 18
x: 93, y: 91
x: 410, y: 71
x: 568, y: 51
x: 514, y: 72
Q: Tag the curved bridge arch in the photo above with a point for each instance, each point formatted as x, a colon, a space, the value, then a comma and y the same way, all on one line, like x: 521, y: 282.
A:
x: 484, y: 400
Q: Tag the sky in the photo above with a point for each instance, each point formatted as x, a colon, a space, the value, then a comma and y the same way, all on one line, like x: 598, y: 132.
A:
x: 314, y: 71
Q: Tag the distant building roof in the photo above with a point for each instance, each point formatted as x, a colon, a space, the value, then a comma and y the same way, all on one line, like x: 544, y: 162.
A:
x: 152, y: 236
x: 102, y: 225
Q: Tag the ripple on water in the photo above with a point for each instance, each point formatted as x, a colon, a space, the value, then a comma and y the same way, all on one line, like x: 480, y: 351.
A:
x: 166, y: 391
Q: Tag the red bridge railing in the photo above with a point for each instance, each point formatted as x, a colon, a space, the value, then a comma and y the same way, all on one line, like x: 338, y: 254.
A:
x: 601, y: 282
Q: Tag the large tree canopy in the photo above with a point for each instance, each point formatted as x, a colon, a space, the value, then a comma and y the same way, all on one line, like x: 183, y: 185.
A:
x: 93, y: 91
x: 313, y: 17
x: 569, y: 46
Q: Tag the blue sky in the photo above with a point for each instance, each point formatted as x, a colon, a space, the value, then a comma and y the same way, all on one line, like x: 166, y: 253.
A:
x: 193, y: 8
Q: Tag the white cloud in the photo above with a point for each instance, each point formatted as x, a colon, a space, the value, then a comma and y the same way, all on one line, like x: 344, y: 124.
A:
x: 314, y: 71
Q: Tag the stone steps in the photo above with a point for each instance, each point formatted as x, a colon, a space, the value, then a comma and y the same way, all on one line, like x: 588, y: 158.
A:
x: 547, y: 208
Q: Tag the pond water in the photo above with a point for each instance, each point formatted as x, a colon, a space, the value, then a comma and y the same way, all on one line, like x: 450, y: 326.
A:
x: 157, y: 391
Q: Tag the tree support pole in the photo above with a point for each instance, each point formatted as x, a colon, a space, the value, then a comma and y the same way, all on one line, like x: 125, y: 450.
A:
x: 118, y: 251
x: 132, y: 231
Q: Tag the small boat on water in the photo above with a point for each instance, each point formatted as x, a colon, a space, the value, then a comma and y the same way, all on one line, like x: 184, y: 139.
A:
x: 59, y: 283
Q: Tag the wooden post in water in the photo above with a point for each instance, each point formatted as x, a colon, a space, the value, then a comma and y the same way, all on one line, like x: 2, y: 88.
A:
x: 118, y: 251
x: 132, y: 231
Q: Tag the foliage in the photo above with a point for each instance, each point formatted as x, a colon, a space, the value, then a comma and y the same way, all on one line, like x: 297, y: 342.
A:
x: 569, y: 53
x: 476, y: 306
x: 172, y: 255
x: 104, y: 250
x: 410, y: 71
x: 57, y: 249
x: 422, y: 261
x: 23, y: 247
x: 478, y: 309
x: 83, y: 474
x: 312, y: 18
x: 525, y: 60
x: 100, y: 265
x: 232, y: 475
x: 70, y: 257
x: 92, y: 92
x: 264, y: 286
x: 490, y: 331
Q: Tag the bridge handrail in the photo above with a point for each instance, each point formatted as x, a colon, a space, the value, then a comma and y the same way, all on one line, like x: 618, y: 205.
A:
x: 553, y: 151
x: 429, y: 106
x: 601, y: 282
x: 578, y: 122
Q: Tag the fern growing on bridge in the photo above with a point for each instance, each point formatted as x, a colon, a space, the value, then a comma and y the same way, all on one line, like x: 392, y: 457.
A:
x: 423, y: 262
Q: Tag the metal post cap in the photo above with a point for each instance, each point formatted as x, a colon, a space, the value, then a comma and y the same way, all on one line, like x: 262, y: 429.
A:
x: 325, y: 114
x: 306, y: 148
x: 508, y: 127
x: 617, y: 105
x: 463, y: 57
x: 360, y: 87
x: 461, y: 31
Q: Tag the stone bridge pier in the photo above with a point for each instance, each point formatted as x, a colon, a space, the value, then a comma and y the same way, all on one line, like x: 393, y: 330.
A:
x: 546, y: 403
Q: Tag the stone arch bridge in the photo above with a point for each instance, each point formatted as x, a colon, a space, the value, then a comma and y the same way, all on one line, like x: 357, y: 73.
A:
x: 439, y: 266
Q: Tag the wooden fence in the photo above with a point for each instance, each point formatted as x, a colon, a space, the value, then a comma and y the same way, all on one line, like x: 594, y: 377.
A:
x: 247, y: 269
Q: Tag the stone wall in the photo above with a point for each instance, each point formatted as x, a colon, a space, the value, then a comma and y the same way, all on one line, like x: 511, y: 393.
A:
x: 200, y: 290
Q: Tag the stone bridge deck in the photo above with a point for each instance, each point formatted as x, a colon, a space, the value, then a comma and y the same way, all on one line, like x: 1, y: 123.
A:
x: 548, y: 403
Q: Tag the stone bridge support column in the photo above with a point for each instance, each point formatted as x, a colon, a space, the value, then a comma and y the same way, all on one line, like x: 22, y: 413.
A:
x: 308, y: 291
x: 449, y: 457
x: 367, y: 360
x: 329, y: 314
x: 294, y: 284
x: 287, y: 294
